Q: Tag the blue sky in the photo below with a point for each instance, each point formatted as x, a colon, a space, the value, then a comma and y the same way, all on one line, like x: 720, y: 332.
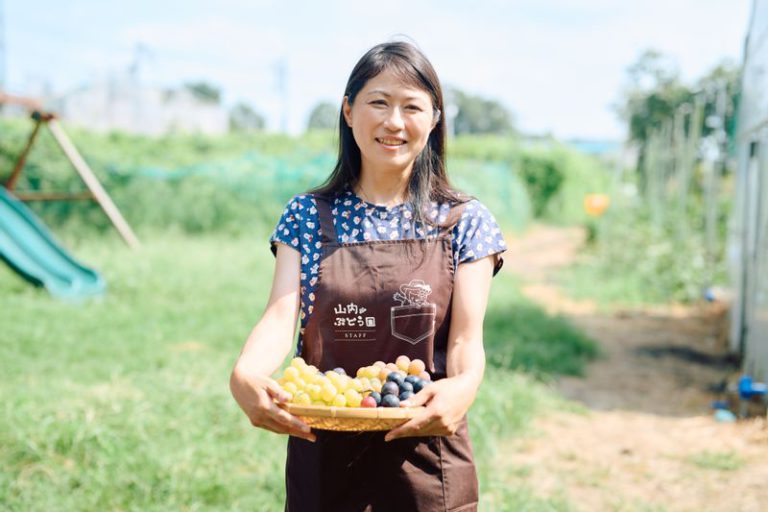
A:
x: 558, y: 65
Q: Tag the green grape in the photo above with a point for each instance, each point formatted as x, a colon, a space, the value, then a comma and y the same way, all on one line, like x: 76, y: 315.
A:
x: 365, y: 383
x: 315, y: 391
x: 353, y: 398
x: 308, y: 373
x: 343, y: 383
x: 290, y: 387
x: 302, y: 398
x: 298, y: 363
x: 291, y: 373
x: 328, y: 392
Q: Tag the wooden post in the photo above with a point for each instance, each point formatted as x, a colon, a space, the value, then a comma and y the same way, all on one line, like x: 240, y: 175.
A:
x: 93, y: 184
x: 54, y: 196
x: 10, y: 184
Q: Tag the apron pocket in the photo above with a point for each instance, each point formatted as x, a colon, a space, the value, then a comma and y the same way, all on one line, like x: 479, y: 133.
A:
x: 413, y: 323
x: 459, y: 473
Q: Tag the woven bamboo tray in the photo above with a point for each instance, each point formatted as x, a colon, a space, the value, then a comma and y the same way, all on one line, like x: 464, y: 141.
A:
x: 352, y: 418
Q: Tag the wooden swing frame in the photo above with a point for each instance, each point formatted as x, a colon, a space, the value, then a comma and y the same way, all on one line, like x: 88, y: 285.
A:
x: 95, y: 192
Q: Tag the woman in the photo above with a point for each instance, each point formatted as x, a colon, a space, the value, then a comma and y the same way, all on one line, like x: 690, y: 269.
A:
x: 388, y: 238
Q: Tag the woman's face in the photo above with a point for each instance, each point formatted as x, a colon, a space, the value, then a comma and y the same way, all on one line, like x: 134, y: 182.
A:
x: 391, y: 123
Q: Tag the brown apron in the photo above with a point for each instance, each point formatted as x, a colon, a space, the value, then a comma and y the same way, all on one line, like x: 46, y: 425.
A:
x: 374, y: 301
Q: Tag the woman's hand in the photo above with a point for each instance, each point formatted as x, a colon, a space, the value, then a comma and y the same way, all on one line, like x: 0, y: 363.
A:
x: 447, y: 401
x: 256, y: 395
x: 267, y: 345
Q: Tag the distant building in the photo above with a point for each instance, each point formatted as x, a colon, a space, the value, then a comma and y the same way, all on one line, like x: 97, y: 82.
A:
x: 133, y: 108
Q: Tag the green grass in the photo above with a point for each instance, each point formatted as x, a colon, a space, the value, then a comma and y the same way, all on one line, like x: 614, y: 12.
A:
x: 718, y: 461
x: 635, y: 258
x: 200, y: 184
x: 522, y: 336
x: 122, y: 403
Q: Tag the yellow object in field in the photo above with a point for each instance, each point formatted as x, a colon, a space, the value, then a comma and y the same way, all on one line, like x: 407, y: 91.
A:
x: 596, y: 204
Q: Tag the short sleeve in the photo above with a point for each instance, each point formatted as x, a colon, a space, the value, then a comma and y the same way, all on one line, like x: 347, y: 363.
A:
x: 479, y: 235
x: 288, y: 227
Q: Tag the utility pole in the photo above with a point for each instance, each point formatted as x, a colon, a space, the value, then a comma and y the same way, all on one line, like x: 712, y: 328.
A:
x: 281, y: 84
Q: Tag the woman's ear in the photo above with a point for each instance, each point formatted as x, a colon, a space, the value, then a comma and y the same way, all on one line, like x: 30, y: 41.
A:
x: 346, y: 109
x: 436, y: 118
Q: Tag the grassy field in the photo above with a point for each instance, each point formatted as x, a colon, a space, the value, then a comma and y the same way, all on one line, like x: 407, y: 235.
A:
x: 122, y: 403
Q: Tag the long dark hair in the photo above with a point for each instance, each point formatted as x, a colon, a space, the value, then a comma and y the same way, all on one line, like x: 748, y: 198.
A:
x: 428, y: 181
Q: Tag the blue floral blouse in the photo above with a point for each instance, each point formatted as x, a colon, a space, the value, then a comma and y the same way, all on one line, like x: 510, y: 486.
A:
x: 475, y: 236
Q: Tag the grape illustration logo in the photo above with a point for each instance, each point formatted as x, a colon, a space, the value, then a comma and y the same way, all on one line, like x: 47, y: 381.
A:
x: 413, y: 320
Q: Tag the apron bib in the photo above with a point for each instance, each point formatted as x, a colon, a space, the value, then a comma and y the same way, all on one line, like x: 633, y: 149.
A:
x: 374, y: 301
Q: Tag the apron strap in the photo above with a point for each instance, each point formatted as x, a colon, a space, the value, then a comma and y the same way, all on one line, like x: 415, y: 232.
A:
x: 453, y: 217
x: 327, y: 228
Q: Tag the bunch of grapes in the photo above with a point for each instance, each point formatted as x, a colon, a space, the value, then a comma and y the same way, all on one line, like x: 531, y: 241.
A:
x: 379, y: 385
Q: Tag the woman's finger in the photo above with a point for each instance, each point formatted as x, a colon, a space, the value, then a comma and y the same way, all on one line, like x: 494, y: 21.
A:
x: 290, y: 429
x: 418, y: 426
x: 276, y: 392
x: 266, y: 424
x: 288, y: 419
x: 420, y: 398
x: 278, y: 427
x: 291, y: 423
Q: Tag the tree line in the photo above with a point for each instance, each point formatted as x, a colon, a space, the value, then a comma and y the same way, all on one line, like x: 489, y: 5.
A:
x: 467, y: 113
x: 655, y: 93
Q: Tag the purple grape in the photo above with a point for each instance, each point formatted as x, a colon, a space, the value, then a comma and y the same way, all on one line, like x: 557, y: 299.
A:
x: 395, y: 377
x: 376, y: 396
x: 405, y: 395
x: 390, y: 388
x: 418, y: 385
x: 413, y: 379
x: 406, y: 386
x: 390, y: 401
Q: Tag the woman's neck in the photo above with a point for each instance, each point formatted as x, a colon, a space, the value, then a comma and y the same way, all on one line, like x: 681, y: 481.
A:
x: 383, y: 189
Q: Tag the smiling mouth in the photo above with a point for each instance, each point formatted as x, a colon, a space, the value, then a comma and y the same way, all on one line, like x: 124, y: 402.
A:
x: 390, y: 142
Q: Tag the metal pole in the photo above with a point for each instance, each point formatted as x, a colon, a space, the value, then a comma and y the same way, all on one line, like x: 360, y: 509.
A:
x: 281, y: 79
x: 718, y: 167
x: 679, y: 164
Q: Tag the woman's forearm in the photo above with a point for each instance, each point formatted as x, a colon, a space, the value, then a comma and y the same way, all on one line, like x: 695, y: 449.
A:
x: 466, y: 355
x: 466, y: 361
x: 267, y: 345
x: 272, y: 337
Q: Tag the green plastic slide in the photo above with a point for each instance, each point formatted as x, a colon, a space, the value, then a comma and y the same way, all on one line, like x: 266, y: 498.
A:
x: 30, y: 249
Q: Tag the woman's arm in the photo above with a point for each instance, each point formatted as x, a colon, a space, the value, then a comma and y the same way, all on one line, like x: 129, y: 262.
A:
x: 265, y: 349
x: 448, y: 400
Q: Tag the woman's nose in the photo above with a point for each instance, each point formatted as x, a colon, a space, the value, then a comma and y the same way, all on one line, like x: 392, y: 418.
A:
x: 394, y: 120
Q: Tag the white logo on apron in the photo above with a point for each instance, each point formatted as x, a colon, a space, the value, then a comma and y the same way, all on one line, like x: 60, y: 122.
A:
x: 414, y: 319
x: 351, y: 324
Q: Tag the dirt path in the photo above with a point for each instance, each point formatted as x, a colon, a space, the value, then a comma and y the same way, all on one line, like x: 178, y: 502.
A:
x: 648, y: 441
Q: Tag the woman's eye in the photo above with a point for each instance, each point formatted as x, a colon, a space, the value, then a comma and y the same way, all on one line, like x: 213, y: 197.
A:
x: 378, y: 102
x: 415, y: 108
